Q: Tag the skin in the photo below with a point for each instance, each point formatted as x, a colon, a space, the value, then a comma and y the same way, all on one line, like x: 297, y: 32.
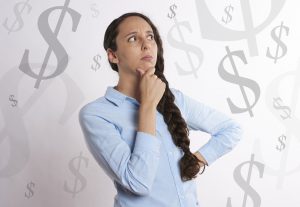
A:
x: 136, y: 76
x: 134, y: 41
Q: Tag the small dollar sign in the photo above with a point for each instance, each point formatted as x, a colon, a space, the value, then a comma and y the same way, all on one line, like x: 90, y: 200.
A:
x: 282, y: 145
x: 228, y: 16
x: 54, y: 44
x: 97, y: 60
x: 29, y: 187
x: 285, y: 109
x: 277, y: 39
x: 241, y: 81
x: 78, y: 176
x: 186, y: 47
x: 95, y: 10
x: 15, y: 102
x: 245, y: 183
x: 18, y: 9
x: 172, y: 7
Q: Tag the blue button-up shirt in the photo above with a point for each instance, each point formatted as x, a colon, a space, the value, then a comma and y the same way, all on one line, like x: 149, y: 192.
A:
x: 145, y: 168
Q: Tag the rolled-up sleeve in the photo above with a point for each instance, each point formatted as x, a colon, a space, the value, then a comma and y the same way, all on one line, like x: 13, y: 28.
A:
x: 134, y: 170
x: 225, y: 132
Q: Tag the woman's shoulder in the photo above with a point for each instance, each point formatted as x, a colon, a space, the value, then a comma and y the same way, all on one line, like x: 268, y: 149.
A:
x: 96, y: 107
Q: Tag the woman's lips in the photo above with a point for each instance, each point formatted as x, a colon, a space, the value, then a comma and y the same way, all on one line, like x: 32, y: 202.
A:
x: 147, y: 58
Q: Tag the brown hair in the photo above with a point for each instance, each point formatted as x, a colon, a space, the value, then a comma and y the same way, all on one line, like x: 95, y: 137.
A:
x: 189, y: 163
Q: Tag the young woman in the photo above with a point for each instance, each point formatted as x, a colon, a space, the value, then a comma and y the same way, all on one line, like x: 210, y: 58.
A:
x: 138, y: 131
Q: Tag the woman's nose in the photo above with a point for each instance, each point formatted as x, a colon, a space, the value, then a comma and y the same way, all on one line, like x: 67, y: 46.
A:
x: 146, y: 44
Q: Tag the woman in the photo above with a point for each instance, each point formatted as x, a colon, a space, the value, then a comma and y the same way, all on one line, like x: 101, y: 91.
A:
x: 138, y: 132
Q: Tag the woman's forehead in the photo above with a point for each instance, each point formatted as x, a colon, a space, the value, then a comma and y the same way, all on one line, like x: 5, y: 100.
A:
x: 134, y: 24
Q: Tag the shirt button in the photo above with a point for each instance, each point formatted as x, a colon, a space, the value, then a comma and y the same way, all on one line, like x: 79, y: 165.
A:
x: 170, y: 153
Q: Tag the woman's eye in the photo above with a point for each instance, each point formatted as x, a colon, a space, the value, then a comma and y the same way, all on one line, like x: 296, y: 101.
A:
x: 151, y: 37
x: 131, y: 39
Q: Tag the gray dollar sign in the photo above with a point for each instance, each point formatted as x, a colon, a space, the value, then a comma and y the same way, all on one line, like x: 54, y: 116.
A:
x: 245, y: 183
x: 212, y: 29
x: 54, y: 45
x: 186, y: 47
x: 282, y: 145
x: 172, y: 7
x: 292, y: 124
x: 18, y: 9
x: 95, y: 10
x: 279, y: 106
x: 97, y: 60
x: 29, y: 187
x: 17, y: 151
x: 240, y: 81
x: 15, y: 102
x: 228, y: 15
x: 78, y: 177
x: 277, y: 39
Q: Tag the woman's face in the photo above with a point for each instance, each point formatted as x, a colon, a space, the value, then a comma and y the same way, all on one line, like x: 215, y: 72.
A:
x: 135, y: 41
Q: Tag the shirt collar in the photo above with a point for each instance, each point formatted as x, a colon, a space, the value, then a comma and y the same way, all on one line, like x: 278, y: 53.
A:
x: 117, y: 97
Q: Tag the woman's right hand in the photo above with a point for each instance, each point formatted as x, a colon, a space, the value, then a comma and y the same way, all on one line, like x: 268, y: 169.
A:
x: 151, y: 88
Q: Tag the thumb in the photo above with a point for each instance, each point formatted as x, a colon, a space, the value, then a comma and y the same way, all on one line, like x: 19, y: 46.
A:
x: 140, y: 72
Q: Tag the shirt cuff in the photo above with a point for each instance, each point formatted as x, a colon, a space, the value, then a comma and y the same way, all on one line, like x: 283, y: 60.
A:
x: 208, y: 153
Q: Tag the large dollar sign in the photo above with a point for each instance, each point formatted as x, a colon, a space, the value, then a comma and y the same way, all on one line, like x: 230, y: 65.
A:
x: 18, y: 10
x: 14, y: 132
x: 245, y: 183
x: 54, y: 45
x: 211, y: 28
x: 241, y: 81
x: 292, y: 124
x: 78, y: 176
x: 228, y: 15
x: 186, y: 47
x: 279, y: 42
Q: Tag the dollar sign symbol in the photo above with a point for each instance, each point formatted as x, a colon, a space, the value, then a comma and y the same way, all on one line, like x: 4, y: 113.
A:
x: 212, y: 29
x: 186, y: 47
x: 11, y: 98
x: 282, y: 145
x: 245, y: 184
x: 95, y: 10
x: 54, y: 45
x: 18, y: 9
x: 96, y: 59
x: 292, y: 124
x: 279, y: 42
x: 228, y: 16
x: 285, y: 109
x: 172, y: 7
x: 14, y: 144
x: 29, y: 187
x: 78, y: 176
x: 241, y: 81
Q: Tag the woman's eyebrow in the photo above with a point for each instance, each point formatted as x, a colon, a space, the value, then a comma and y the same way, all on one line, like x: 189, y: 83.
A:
x: 148, y: 32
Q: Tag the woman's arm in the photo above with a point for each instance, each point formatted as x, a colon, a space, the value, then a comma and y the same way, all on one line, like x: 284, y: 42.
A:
x: 225, y: 132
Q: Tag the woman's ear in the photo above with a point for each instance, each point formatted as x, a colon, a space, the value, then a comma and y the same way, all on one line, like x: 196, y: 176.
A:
x: 112, y: 56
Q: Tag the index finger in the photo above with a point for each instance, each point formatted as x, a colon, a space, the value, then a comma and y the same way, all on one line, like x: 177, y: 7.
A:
x: 150, y: 71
